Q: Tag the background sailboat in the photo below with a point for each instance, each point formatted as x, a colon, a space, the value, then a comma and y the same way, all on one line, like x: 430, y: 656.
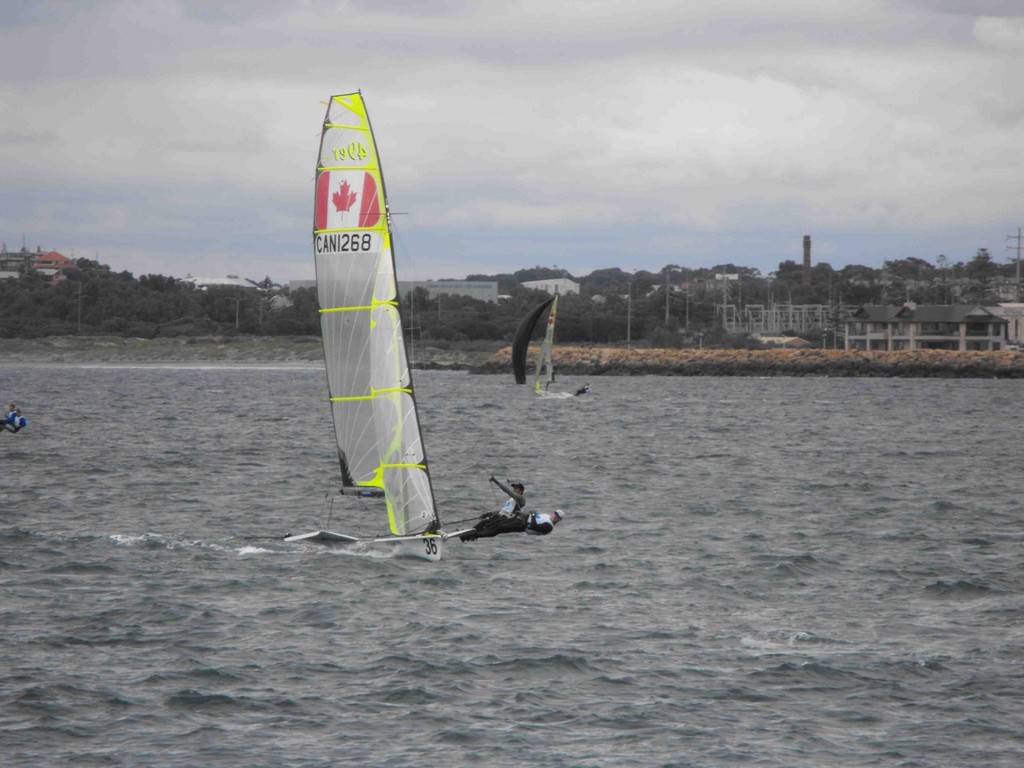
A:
x: 545, y: 375
x: 521, y: 340
x: 373, y: 403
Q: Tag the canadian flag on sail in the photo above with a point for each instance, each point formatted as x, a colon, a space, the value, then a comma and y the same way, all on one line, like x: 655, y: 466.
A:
x: 346, y: 200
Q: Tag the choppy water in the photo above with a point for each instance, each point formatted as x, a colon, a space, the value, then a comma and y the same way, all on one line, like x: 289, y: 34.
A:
x: 770, y: 572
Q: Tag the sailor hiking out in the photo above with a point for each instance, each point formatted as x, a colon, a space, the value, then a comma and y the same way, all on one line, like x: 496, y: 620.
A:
x: 516, y: 497
x: 513, y: 517
x: 13, y: 420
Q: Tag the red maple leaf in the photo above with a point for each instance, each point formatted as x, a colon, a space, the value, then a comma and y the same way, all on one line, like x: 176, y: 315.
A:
x: 344, y: 198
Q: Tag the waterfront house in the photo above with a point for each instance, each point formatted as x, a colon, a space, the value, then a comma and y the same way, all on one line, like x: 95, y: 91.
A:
x: 957, y: 327
x: 556, y: 286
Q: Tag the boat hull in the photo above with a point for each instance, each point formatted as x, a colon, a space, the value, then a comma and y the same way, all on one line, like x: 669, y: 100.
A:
x: 425, y: 547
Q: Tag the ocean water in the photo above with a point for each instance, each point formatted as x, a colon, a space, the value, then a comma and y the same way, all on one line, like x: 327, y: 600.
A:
x: 751, y: 572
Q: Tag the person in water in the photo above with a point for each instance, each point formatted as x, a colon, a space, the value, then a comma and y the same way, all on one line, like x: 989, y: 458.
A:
x: 583, y: 390
x: 13, y: 421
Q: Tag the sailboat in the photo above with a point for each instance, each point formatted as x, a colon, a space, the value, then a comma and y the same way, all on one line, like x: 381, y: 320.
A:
x: 369, y: 382
x: 545, y: 375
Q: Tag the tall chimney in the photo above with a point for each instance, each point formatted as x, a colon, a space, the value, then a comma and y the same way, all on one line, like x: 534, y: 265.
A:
x: 807, y: 259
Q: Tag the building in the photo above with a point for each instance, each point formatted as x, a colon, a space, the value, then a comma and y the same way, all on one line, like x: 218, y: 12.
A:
x: 230, y: 281
x: 1014, y: 315
x: 13, y: 263
x: 556, y: 286
x: 53, y: 265
x: 50, y: 264
x: 958, y: 327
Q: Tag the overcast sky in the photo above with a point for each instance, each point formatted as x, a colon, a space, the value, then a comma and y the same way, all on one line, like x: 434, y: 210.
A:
x: 180, y: 137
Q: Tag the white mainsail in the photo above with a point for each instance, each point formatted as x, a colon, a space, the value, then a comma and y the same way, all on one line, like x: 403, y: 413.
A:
x: 545, y: 369
x: 369, y: 382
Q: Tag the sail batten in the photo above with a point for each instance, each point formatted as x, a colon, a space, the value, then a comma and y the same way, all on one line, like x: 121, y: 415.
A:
x: 345, y: 309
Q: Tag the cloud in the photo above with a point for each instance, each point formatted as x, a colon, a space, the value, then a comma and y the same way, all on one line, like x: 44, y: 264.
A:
x: 1000, y: 33
x: 588, y: 135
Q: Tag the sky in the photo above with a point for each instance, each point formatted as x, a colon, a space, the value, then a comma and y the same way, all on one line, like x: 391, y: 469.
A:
x: 179, y: 137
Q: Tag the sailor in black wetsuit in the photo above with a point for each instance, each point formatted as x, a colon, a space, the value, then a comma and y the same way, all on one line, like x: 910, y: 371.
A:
x: 512, y: 518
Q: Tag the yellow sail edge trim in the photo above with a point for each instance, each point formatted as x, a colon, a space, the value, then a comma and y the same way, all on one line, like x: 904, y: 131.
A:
x: 373, y: 393
x: 353, y: 102
x: 378, y: 478
x: 390, y: 391
x: 356, y: 127
x: 365, y: 168
x: 327, y: 310
x: 376, y: 304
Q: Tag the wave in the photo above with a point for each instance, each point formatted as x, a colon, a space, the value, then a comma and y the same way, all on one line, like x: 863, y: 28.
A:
x: 958, y: 588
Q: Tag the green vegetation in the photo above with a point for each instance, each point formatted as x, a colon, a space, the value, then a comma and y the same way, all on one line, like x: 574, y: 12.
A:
x: 673, y: 307
x: 94, y: 300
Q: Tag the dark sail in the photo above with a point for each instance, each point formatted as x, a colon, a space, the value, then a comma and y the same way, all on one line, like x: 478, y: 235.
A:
x: 521, y: 341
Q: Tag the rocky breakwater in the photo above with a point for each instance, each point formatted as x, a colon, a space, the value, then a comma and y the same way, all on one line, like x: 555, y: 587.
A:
x: 182, y: 349
x: 610, y: 361
x: 216, y: 350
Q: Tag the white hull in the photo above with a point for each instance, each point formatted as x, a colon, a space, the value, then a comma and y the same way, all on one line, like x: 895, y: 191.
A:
x: 425, y: 547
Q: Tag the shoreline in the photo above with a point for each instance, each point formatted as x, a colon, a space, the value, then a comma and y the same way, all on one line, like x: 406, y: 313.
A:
x: 493, y: 358
x: 932, y: 363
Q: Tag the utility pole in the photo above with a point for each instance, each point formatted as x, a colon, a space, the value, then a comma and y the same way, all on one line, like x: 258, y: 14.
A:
x: 666, y: 297
x: 629, y: 316
x: 945, y: 277
x: 1016, y: 248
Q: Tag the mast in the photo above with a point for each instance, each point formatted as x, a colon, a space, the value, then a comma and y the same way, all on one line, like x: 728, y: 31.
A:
x: 370, y: 386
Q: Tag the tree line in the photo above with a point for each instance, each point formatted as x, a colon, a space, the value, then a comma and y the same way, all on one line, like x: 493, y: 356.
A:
x: 670, y: 307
